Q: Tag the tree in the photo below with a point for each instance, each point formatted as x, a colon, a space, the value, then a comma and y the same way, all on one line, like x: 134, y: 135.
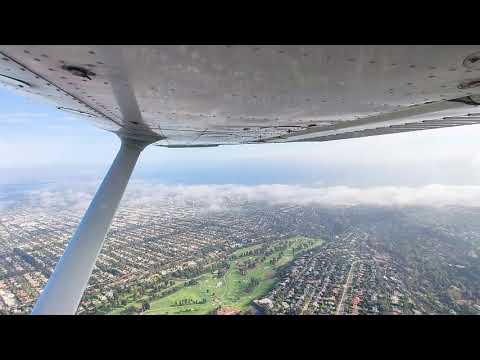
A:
x: 131, y: 309
x: 145, y: 306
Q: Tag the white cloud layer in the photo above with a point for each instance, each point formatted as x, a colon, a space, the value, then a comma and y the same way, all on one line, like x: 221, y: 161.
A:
x: 220, y: 197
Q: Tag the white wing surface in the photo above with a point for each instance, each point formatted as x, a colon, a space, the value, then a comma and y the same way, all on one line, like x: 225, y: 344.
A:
x: 182, y: 96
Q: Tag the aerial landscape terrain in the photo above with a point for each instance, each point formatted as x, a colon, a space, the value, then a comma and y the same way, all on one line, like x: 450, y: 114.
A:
x: 251, y: 257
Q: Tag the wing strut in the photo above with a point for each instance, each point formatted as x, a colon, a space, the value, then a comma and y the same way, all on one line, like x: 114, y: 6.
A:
x: 66, y: 285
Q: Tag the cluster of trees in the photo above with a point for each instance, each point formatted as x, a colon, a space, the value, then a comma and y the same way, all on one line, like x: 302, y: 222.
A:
x: 191, y: 282
x: 253, y: 252
x: 199, y: 269
x: 134, y: 310
x: 302, y: 246
x: 275, y: 259
x: 150, y: 290
x: 267, y: 251
x: 252, y: 284
x: 183, y: 302
x: 221, y: 273
x: 249, y: 264
x: 145, y: 306
x: 221, y: 268
x: 187, y: 273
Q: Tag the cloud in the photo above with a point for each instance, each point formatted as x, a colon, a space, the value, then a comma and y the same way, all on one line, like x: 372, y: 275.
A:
x: 75, y: 197
x: 224, y: 196
x: 71, y: 199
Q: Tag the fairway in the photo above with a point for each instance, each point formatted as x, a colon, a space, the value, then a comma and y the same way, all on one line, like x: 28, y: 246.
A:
x: 235, y: 288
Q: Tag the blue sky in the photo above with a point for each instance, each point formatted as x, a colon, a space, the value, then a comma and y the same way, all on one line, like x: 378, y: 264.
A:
x: 38, y: 142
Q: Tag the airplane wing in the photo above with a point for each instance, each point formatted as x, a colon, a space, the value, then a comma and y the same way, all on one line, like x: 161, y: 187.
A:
x: 185, y: 96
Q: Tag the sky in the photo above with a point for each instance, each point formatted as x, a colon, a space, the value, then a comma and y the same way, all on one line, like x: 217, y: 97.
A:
x: 41, y: 144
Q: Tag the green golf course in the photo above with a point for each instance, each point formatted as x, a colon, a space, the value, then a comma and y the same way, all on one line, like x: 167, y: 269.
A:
x: 252, y: 272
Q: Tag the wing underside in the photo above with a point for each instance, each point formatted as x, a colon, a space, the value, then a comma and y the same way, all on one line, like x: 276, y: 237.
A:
x: 184, y: 96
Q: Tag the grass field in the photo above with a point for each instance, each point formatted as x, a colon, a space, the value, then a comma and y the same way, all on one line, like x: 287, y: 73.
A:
x: 230, y: 290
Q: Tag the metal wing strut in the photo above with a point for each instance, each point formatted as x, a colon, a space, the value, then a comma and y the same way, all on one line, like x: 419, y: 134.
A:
x: 66, y: 285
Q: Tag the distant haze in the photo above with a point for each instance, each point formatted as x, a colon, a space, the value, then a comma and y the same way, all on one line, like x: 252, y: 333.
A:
x: 221, y: 197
